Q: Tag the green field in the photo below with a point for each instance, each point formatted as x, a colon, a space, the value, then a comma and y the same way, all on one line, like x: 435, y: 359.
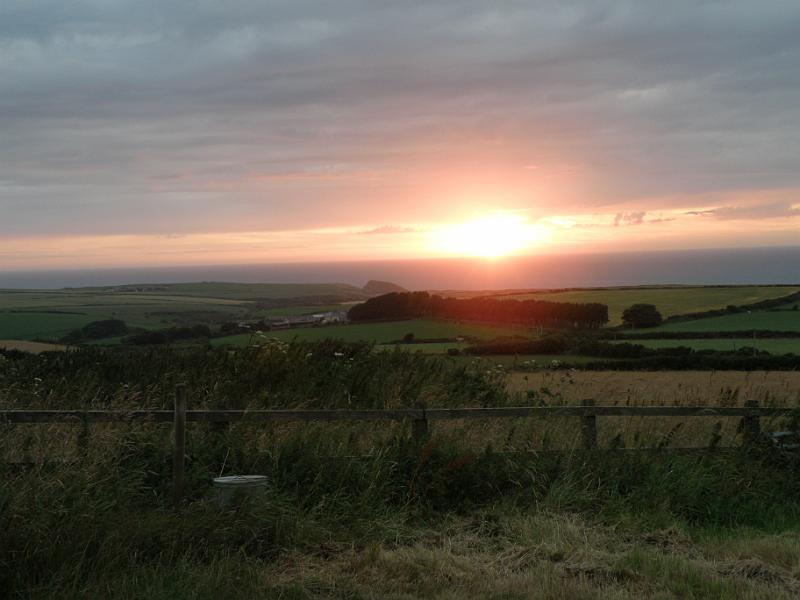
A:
x: 50, y: 314
x: 782, y: 320
x: 294, y: 311
x: 31, y: 326
x: 384, y: 332
x: 771, y: 345
x: 432, y: 348
x: 668, y: 300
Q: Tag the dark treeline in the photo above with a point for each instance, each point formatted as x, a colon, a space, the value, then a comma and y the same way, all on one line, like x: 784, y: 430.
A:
x: 165, y: 336
x: 700, y: 335
x: 96, y: 330
x: 627, y: 356
x: 701, y: 360
x: 528, y: 312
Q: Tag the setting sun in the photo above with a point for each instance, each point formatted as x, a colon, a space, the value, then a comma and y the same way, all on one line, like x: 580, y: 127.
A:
x: 493, y: 236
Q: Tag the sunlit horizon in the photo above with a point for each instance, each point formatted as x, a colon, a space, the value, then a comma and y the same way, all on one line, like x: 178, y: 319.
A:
x: 488, y: 133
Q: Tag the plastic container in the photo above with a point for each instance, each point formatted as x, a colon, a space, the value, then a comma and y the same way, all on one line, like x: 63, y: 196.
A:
x: 225, y: 488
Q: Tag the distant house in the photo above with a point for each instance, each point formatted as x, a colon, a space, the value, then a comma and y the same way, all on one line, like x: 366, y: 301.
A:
x: 333, y: 316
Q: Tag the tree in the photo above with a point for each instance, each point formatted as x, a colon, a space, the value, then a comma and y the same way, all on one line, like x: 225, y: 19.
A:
x: 642, y: 315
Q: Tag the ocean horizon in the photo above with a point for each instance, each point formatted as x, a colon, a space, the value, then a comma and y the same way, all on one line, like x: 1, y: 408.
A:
x: 739, y: 266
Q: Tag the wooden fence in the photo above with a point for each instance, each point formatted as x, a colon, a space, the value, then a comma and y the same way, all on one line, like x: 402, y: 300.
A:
x: 420, y: 419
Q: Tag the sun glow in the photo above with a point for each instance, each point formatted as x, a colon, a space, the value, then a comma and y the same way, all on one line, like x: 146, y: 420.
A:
x: 494, y: 236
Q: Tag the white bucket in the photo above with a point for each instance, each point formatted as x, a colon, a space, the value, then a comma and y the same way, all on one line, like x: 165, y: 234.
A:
x: 226, y: 487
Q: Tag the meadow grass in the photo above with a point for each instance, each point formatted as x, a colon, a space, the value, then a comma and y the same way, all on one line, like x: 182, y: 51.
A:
x: 361, y: 510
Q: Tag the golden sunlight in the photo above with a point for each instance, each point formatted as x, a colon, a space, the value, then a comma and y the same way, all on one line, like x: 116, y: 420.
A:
x: 494, y: 236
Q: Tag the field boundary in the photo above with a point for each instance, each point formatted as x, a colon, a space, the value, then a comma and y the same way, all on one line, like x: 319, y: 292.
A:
x: 400, y: 414
x: 420, y: 417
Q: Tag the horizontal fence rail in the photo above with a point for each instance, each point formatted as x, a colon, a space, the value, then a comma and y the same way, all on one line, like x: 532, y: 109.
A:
x: 224, y: 416
x: 419, y: 418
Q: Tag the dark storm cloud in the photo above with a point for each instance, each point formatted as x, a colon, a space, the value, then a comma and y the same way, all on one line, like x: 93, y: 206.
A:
x: 154, y: 116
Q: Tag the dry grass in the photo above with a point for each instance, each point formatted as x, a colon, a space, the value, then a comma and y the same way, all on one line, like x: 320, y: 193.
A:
x: 634, y: 388
x: 661, y: 388
x: 664, y: 388
x: 547, y: 556
x: 33, y: 347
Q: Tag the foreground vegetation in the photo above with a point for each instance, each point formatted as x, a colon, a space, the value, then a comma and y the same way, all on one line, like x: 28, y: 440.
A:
x: 359, y: 511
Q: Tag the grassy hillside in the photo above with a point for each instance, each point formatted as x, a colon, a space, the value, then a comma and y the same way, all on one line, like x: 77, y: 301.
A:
x: 49, y: 314
x: 782, y: 320
x: 668, y: 300
x: 385, y: 332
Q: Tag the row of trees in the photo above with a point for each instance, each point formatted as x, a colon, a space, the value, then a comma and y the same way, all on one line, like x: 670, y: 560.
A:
x: 529, y: 312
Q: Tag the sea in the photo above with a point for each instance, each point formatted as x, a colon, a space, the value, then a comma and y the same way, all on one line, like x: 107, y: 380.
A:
x: 773, y: 265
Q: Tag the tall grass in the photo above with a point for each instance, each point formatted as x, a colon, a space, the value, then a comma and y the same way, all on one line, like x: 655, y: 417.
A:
x: 102, y: 523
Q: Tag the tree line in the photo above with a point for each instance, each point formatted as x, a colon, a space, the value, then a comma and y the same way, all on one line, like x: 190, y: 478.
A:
x: 410, y: 305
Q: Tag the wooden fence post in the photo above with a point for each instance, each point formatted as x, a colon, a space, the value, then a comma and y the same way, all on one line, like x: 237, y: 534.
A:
x: 419, y: 426
x: 179, y: 449
x: 83, y: 438
x: 589, y: 428
x: 751, y: 425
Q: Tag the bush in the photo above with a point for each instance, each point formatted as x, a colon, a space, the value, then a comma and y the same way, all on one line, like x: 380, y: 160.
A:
x: 641, y: 315
x: 97, y: 330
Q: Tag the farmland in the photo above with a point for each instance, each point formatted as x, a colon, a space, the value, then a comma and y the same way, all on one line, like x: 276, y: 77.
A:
x: 382, y: 333
x: 775, y: 320
x: 48, y: 314
x: 669, y: 300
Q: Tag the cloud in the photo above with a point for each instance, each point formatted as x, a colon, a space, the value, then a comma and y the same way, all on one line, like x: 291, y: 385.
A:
x: 149, y: 117
x: 629, y: 218
x: 388, y: 229
x: 768, y: 210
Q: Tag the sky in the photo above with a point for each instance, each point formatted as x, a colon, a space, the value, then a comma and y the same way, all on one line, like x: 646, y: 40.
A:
x: 166, y: 133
